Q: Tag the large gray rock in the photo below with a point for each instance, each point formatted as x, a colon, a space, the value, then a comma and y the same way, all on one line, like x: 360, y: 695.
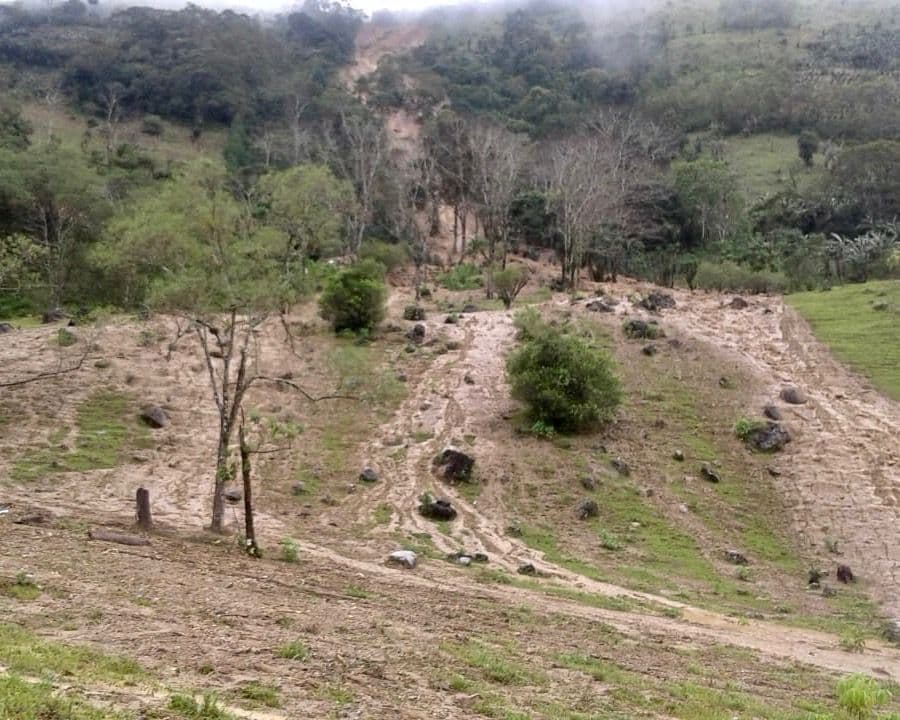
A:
x: 793, y: 395
x: 772, y: 412
x: 155, y: 416
x: 6, y: 328
x: 710, y: 474
x: 457, y: 465
x: 587, y: 509
x: 735, y: 557
x: 440, y: 509
x: 769, y: 438
x: 403, y: 558
x: 417, y: 333
x: 52, y: 316
x: 368, y: 475
x: 657, y: 300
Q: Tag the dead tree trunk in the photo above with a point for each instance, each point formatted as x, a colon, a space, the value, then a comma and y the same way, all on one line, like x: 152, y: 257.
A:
x: 144, y: 519
x: 246, y: 473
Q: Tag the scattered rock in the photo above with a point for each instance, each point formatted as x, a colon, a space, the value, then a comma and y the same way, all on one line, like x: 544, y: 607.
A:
x: 416, y: 333
x: 527, y: 568
x: 351, y: 488
x: 401, y: 377
x: 891, y: 631
x: 724, y: 382
x: 709, y: 473
x: 814, y: 577
x: 649, y: 350
x: 233, y: 495
x: 464, y: 560
x: 657, y: 300
x: 368, y: 475
x: 602, y: 304
x: 469, y: 308
x: 452, y: 345
x: 642, y: 330
x: 675, y: 343
x: 678, y: 455
x: 620, y: 466
x: 102, y: 364
x: 457, y: 465
x: 792, y: 395
x: 468, y: 379
x: 514, y: 530
x: 451, y: 319
x: 828, y: 591
x: 403, y: 558
x: 682, y: 507
x: 155, y: 416
x: 588, y: 482
x: 772, y: 412
x: 480, y: 557
x: 845, y: 574
x: 738, y: 303
x: 298, y: 488
x: 587, y: 509
x: 6, y: 328
x: 52, y: 316
x: 441, y: 509
x: 736, y: 557
x: 773, y: 471
x: 769, y: 438
x: 414, y: 312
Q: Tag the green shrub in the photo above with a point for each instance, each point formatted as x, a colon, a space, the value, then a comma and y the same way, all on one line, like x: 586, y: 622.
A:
x: 859, y: 695
x: 510, y: 282
x: 727, y: 276
x: 463, y: 277
x: 66, y: 338
x: 355, y: 298
x: 295, y: 650
x: 289, y: 551
x: 529, y: 323
x: 566, y: 383
x: 391, y: 255
x: 745, y: 427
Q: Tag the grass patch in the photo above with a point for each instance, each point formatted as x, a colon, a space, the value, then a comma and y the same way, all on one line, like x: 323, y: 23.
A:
x: 22, y: 652
x: 21, y: 700
x: 337, y: 693
x: 295, y: 650
x: 106, y: 428
x: 186, y: 706
x: 865, y: 338
x: 355, y: 591
x: 23, y: 588
x: 383, y: 514
x: 260, y: 694
x: 495, y: 664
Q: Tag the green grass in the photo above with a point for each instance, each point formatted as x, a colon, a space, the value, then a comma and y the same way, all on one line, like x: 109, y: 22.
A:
x: 383, y: 514
x: 495, y: 664
x: 359, y: 593
x: 337, y: 693
x: 23, y: 588
x: 106, y: 427
x: 21, y: 700
x: 766, y: 163
x: 866, y: 339
x: 187, y: 706
x: 23, y: 652
x: 260, y: 694
x: 295, y: 650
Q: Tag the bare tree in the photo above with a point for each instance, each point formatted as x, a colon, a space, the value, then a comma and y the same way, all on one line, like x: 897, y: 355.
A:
x: 111, y: 99
x: 447, y: 143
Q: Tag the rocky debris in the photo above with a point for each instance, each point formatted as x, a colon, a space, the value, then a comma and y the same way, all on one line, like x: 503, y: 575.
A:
x: 772, y: 412
x: 828, y: 591
x: 678, y: 455
x: 603, y: 304
x: 709, y: 473
x: 440, y: 509
x: 589, y: 483
x: 773, y: 471
x: 891, y: 631
x: 468, y: 379
x: 457, y: 465
x: 514, y: 529
x: 649, y: 350
x: 724, y: 383
x: 464, y: 560
x: 403, y: 558
x: 657, y: 300
x: 451, y: 319
x: 642, y: 330
x: 738, y: 303
x: 469, y: 308
x: 527, y: 568
x: 814, y: 577
x: 298, y: 488
x: 620, y: 466
x: 736, y: 557
x: 467, y: 558
x: 769, y: 438
x: 845, y: 574
x: 233, y: 495
x: 675, y: 343
x: 155, y: 416
x: 416, y: 333
x: 452, y: 345
x: 368, y: 475
x: 587, y: 509
x: 52, y: 316
x: 792, y: 395
x: 6, y: 328
x: 414, y: 312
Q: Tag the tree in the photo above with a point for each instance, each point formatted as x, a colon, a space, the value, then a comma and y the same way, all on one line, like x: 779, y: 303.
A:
x: 708, y: 192
x: 807, y: 146
x: 510, y: 281
x: 355, y: 298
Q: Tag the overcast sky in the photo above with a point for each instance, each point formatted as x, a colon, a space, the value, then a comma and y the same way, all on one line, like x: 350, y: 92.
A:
x: 275, y: 5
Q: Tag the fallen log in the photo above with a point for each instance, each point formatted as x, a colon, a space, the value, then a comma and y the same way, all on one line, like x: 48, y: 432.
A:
x: 116, y: 537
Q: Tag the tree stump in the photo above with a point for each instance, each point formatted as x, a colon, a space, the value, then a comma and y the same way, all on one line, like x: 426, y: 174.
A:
x: 144, y: 519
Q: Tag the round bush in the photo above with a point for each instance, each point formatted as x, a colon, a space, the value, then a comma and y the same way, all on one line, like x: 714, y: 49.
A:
x: 566, y: 383
x: 354, y: 299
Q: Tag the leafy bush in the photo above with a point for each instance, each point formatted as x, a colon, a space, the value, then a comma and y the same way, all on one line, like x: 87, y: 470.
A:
x: 728, y: 276
x: 529, y: 323
x: 510, y: 282
x: 566, y: 383
x: 391, y: 255
x: 290, y: 553
x: 462, y: 277
x: 355, y: 298
x: 859, y: 695
x: 745, y: 427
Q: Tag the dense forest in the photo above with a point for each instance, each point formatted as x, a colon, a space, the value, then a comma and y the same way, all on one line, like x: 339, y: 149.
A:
x: 744, y: 144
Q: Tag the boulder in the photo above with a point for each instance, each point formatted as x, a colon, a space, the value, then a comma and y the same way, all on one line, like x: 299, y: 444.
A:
x: 602, y: 305
x: 738, y: 303
x: 772, y: 412
x: 792, y: 395
x: 233, y: 495
x: 469, y: 308
x: 620, y: 466
x: 464, y: 560
x: 736, y: 558
x: 155, y: 416
x: 891, y: 631
x: 468, y: 379
x: 368, y: 475
x: 416, y: 333
x: 587, y: 509
x: 678, y: 455
x: 403, y: 558
x: 441, y: 509
x: 649, y: 350
x: 52, y: 316
x: 457, y: 465
x: 6, y: 328
x: 527, y: 568
x: 589, y: 482
x: 657, y: 300
x: 414, y: 312
x: 710, y: 474
x: 451, y: 319
x: 845, y: 574
x: 769, y: 438
x: 642, y: 330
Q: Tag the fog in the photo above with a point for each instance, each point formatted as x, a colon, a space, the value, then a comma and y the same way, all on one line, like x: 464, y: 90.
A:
x: 274, y: 6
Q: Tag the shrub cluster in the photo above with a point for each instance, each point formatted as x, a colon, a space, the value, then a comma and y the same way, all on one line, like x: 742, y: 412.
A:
x: 727, y: 276
x: 354, y: 299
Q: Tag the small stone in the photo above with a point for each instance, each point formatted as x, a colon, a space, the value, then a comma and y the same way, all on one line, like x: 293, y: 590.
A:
x: 829, y: 591
x: 683, y: 508
x: 678, y: 455
x: 649, y: 350
x: 468, y: 379
x: 527, y: 568
x: 102, y: 364
x: 587, y: 509
x: 53, y: 316
x: 620, y: 466
x: 298, y: 488
x: 233, y: 495
x: 588, y: 482
x: 772, y: 412
x: 480, y: 557
x: 469, y: 308
x: 735, y: 557
x: 401, y: 377
x: 451, y: 319
x: 738, y: 303
x: 792, y: 395
x: 351, y: 488
x: 845, y: 574
x: 773, y: 471
x: 368, y: 475
x: 464, y: 560
x: 403, y: 558
x: 709, y: 473
x: 452, y: 345
x: 891, y: 631
x: 514, y: 530
x: 6, y: 328
x: 155, y: 416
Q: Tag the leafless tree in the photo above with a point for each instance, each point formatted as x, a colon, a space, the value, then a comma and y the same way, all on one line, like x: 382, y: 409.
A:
x: 111, y: 99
